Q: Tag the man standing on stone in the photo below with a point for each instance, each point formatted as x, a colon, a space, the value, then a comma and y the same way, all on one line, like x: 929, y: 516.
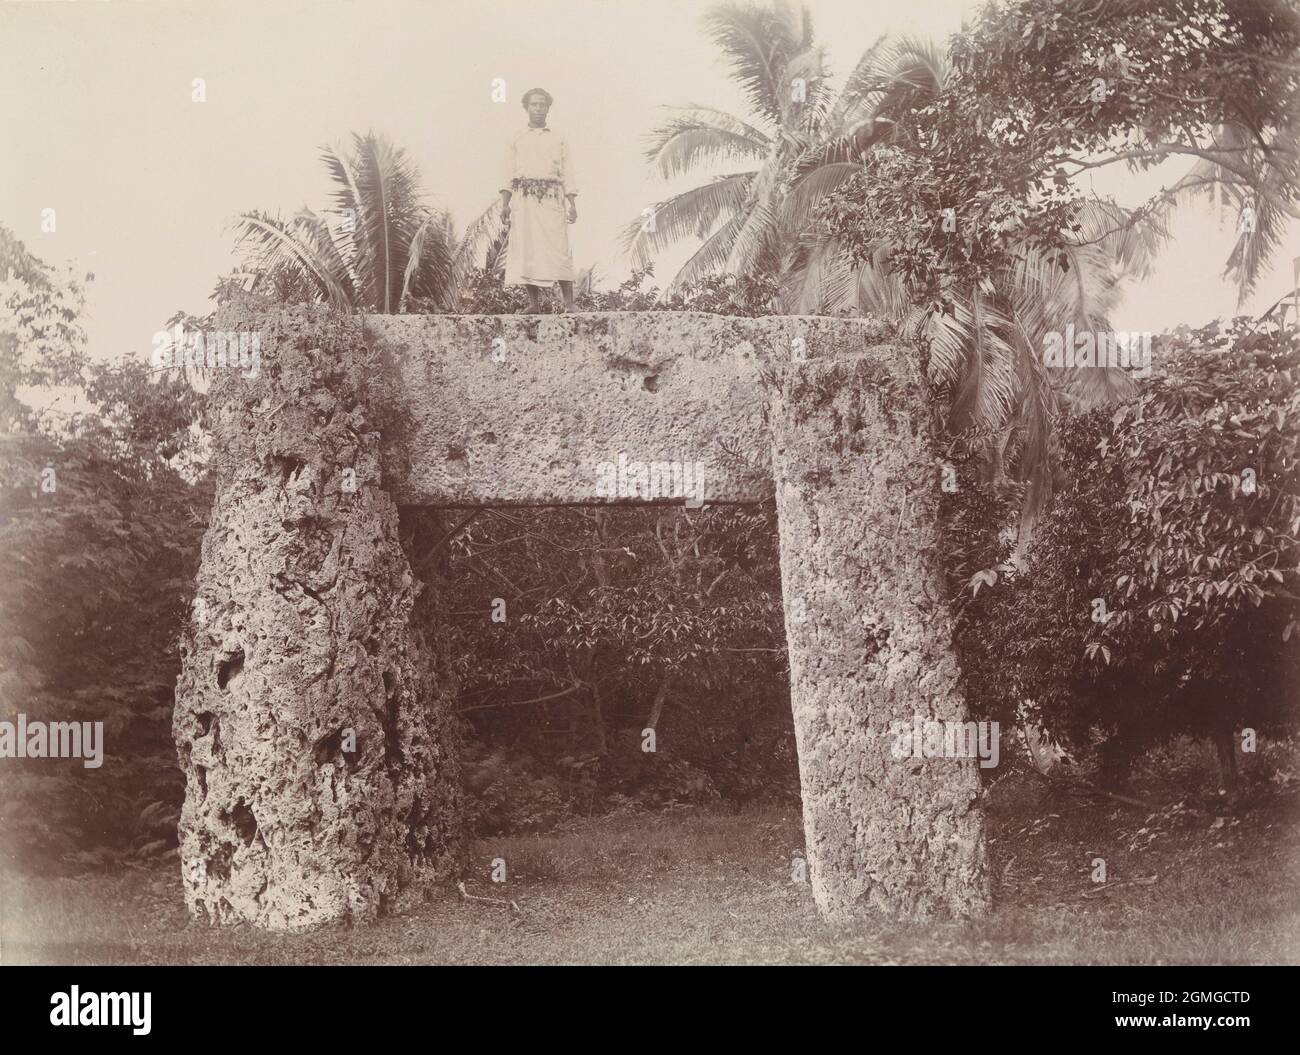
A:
x: 537, y: 204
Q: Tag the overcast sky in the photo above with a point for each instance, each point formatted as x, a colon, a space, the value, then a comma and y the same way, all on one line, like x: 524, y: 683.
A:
x: 97, y: 122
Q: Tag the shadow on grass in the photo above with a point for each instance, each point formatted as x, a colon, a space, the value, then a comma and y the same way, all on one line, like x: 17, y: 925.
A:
x: 698, y: 887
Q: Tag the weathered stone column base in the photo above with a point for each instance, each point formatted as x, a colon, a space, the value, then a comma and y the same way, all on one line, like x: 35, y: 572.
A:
x: 317, y: 747
x: 869, y: 636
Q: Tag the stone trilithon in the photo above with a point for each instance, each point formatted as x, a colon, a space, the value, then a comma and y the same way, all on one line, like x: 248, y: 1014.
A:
x: 314, y: 718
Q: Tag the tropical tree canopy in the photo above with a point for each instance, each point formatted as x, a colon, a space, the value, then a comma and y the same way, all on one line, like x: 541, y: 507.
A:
x: 377, y: 247
x: 975, y: 224
x: 747, y: 219
x: 1042, y: 93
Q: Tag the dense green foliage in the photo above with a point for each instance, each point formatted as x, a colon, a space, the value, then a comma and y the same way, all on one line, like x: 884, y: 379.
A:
x: 1042, y: 91
x: 1160, y: 594
x: 976, y: 223
x: 614, y: 622
x: 99, y: 534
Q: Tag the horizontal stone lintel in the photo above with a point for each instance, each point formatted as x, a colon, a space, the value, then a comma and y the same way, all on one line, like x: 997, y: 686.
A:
x: 589, y: 408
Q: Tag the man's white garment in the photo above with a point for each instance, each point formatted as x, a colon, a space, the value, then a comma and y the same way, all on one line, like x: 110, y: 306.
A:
x: 538, y: 174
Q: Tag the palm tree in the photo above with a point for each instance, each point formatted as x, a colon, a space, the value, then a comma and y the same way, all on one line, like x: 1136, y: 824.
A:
x: 375, y: 249
x: 986, y: 345
x: 1254, y: 179
x: 739, y: 214
x: 802, y: 140
x: 764, y: 221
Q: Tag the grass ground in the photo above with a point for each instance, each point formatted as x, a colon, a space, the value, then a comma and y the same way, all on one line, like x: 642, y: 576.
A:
x: 1186, y: 884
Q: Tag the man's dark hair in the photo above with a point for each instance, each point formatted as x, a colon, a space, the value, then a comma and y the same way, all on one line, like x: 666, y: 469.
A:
x: 550, y: 99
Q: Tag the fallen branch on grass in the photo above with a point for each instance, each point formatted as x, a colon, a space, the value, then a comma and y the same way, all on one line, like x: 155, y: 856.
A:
x: 1097, y: 891
x: 521, y: 703
x: 490, y: 900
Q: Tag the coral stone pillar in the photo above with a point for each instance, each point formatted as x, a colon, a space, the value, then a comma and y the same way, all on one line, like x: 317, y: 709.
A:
x: 869, y: 636
x: 317, y: 745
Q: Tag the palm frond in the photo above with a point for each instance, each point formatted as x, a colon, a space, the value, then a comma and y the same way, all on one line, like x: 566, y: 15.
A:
x: 1272, y: 193
x: 711, y: 256
x: 275, y: 246
x: 434, y: 233
x: 819, y: 278
x: 389, y: 185
x: 697, y: 135
x: 476, y: 241
x: 808, y: 109
x: 1130, y: 240
x: 758, y: 43
x: 1045, y: 297
x: 755, y: 237
x: 883, y: 294
x: 348, y: 203
x: 919, y: 64
x: 800, y: 206
x: 329, y: 246
x: 1034, y: 422
x: 856, y: 98
x: 968, y: 349
x: 693, y: 212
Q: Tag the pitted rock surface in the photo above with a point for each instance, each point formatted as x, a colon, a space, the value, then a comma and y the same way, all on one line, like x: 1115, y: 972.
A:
x: 312, y: 630
x: 523, y: 410
x: 870, y: 641
x: 317, y: 747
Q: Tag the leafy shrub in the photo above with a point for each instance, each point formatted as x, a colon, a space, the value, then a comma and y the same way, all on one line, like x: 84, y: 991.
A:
x: 1160, y: 594
x: 99, y: 544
